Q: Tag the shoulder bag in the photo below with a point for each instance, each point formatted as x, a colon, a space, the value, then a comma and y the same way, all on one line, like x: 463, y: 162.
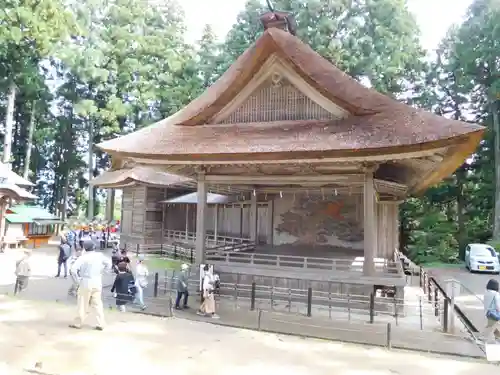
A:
x: 492, y: 312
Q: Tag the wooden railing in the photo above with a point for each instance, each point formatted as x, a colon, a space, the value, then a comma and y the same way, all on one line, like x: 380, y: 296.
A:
x: 174, y: 250
x: 237, y: 247
x: 187, y: 250
x: 180, y: 235
x: 239, y: 254
x: 385, y: 267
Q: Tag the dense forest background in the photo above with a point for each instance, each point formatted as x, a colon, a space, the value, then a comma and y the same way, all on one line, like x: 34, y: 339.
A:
x: 73, y: 74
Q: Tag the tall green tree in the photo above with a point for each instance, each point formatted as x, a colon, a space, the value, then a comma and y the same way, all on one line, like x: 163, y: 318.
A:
x: 376, y: 40
x: 477, y: 47
x: 127, y: 71
x: 463, y: 85
x: 208, y: 57
x: 29, y: 31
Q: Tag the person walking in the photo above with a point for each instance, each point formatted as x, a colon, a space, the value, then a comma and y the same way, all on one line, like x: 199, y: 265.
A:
x: 94, y: 236
x: 123, y: 288
x: 141, y: 281
x: 23, y: 272
x: 85, y: 236
x: 207, y: 307
x: 62, y: 258
x: 102, y: 238
x: 182, y: 287
x: 492, y: 311
x: 90, y: 267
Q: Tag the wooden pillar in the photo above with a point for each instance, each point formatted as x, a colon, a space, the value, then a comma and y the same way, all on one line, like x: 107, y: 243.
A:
x: 133, y: 213
x: 359, y: 210
x: 393, y: 229
x: 201, y: 210
x: 383, y: 232
x: 270, y: 222
x: 3, y: 224
x: 110, y: 204
x: 241, y: 221
x: 187, y: 221
x: 144, y: 212
x: 370, y: 229
x: 396, y: 227
x: 254, y: 227
x: 216, y: 223
x: 163, y: 215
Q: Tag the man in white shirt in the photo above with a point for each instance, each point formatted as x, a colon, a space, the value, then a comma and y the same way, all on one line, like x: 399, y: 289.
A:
x: 89, y: 269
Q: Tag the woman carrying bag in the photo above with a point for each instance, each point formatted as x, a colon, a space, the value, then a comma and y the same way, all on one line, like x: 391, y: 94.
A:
x: 207, y: 307
x: 492, y: 311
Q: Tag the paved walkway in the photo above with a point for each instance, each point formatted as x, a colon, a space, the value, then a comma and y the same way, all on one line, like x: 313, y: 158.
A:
x: 43, y: 286
x: 34, y: 335
x: 470, y: 299
x: 354, y: 331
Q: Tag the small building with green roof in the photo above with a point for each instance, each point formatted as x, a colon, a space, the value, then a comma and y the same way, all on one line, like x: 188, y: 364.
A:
x: 30, y: 226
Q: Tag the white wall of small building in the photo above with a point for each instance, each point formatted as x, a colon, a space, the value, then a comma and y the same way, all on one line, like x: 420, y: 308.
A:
x: 14, y: 230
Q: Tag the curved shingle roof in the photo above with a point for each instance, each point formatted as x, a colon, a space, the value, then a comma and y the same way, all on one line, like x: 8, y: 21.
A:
x: 376, y: 125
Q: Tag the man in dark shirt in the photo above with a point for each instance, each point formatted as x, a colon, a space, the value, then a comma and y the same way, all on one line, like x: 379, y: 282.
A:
x: 124, y: 287
x: 62, y: 259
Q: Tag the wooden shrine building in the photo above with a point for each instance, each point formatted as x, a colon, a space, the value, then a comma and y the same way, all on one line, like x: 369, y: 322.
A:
x: 320, y: 161
x: 143, y: 216
x: 157, y: 208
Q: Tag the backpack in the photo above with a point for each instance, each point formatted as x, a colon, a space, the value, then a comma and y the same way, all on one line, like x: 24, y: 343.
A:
x: 64, y: 251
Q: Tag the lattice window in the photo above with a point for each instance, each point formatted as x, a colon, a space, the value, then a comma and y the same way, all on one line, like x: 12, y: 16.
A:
x: 278, y: 101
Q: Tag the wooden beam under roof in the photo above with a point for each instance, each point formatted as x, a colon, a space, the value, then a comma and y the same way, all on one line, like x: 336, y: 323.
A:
x: 284, y: 180
x: 386, y: 188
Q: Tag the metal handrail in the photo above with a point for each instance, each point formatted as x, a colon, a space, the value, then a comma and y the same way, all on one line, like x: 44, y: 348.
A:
x: 462, y: 286
x: 466, y: 322
x: 461, y: 315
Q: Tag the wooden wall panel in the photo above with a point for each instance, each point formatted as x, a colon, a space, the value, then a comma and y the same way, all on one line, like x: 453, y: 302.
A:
x: 138, y: 209
x: 154, y: 196
x: 175, y: 217
x: 262, y: 223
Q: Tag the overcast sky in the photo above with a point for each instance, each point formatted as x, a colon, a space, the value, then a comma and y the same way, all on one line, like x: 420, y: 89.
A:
x: 433, y: 16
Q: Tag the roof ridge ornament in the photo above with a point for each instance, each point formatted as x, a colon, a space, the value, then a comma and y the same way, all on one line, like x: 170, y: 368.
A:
x: 278, y: 19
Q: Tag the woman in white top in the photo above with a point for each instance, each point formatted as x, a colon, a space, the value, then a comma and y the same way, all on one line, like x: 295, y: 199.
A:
x: 207, y: 308
x: 141, y: 281
x: 492, y: 310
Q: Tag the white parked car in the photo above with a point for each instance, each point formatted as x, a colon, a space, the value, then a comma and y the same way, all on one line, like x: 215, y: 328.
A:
x: 481, y: 258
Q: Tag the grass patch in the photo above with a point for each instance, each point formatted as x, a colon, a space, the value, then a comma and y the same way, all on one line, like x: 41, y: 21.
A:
x: 443, y: 265
x: 157, y: 262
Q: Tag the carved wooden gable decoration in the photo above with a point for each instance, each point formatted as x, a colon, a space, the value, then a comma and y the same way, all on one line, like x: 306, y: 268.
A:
x: 277, y: 93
